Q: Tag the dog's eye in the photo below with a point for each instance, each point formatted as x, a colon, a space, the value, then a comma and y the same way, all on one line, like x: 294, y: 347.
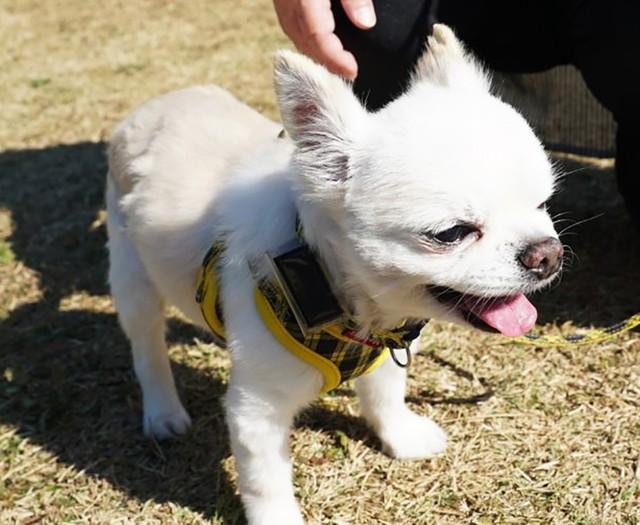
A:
x: 455, y: 234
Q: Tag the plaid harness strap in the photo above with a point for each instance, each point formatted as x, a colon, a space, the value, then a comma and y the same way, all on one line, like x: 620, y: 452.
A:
x: 337, y: 351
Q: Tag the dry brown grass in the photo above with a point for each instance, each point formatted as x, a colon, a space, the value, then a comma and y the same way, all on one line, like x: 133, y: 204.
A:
x: 536, y: 436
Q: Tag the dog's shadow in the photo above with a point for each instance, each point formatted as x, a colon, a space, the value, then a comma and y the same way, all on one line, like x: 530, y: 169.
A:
x: 66, y: 381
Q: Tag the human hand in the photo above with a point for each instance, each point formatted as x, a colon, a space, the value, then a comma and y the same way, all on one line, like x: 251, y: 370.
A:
x: 310, y: 26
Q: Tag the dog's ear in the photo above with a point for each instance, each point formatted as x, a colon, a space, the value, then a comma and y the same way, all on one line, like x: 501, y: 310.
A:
x: 319, y: 112
x: 446, y: 62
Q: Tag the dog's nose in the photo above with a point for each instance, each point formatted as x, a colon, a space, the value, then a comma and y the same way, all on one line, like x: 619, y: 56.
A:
x: 543, y: 258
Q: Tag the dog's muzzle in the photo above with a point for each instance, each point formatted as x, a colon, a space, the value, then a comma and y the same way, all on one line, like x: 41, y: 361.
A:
x: 542, y: 258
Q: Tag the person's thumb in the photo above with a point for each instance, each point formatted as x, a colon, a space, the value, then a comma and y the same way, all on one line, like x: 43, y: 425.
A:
x: 360, y: 12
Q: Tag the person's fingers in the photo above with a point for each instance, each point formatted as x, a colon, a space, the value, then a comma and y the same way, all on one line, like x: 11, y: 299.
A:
x: 316, y: 17
x: 360, y: 12
x: 310, y: 25
x: 316, y: 26
x: 289, y: 18
x: 327, y: 49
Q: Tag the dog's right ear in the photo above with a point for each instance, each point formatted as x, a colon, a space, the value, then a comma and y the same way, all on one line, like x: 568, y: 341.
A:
x: 320, y: 113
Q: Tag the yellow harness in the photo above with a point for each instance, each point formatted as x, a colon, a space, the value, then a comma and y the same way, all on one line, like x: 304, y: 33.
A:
x: 336, y: 350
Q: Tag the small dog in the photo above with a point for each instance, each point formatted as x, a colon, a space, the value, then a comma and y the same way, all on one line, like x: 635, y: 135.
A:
x: 432, y: 207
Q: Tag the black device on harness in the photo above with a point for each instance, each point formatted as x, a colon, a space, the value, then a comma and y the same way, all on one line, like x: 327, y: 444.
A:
x: 306, y: 288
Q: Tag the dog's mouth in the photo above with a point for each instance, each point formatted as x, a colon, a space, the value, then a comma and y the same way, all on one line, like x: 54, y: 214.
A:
x: 510, y: 315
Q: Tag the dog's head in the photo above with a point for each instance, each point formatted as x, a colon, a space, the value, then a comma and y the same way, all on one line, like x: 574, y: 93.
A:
x: 432, y: 207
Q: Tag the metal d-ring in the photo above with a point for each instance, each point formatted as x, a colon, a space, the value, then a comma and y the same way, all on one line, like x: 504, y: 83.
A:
x: 407, y: 362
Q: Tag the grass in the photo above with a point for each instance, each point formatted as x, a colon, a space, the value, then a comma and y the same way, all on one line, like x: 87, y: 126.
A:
x: 536, y: 436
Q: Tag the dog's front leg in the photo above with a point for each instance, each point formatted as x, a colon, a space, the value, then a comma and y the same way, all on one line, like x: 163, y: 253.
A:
x: 259, y: 422
x: 404, y: 434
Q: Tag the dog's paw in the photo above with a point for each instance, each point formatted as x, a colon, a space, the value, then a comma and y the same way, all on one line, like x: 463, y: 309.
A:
x: 268, y: 511
x: 165, y: 425
x: 413, y: 437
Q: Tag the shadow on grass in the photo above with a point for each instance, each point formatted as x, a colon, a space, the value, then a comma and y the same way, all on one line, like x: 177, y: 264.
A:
x: 67, y: 381
x: 600, y: 284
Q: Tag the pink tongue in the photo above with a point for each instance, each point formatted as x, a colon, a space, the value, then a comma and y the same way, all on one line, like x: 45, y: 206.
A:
x: 512, y: 316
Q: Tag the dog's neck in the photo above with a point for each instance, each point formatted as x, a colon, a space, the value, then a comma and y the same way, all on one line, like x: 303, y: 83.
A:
x: 323, y: 233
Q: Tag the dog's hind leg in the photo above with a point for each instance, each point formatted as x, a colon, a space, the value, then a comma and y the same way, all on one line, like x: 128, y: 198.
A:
x: 404, y: 434
x: 141, y: 314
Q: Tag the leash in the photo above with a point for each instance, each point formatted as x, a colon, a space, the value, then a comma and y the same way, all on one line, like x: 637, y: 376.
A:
x: 590, y: 337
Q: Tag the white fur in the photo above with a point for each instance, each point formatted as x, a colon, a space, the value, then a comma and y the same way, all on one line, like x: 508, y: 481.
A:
x: 196, y: 164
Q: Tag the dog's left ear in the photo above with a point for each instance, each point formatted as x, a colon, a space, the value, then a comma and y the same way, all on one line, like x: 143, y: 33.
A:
x: 320, y: 113
x: 447, y: 63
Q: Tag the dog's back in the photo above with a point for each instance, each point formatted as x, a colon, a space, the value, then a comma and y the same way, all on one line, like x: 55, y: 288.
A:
x: 196, y: 132
x: 168, y: 162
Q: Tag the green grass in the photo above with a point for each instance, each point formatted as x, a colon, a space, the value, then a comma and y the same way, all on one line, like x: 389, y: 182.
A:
x: 6, y: 253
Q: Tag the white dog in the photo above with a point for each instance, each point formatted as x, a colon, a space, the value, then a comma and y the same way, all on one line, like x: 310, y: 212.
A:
x: 432, y: 207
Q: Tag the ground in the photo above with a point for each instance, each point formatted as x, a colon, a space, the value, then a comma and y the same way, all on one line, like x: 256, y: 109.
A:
x: 536, y: 436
